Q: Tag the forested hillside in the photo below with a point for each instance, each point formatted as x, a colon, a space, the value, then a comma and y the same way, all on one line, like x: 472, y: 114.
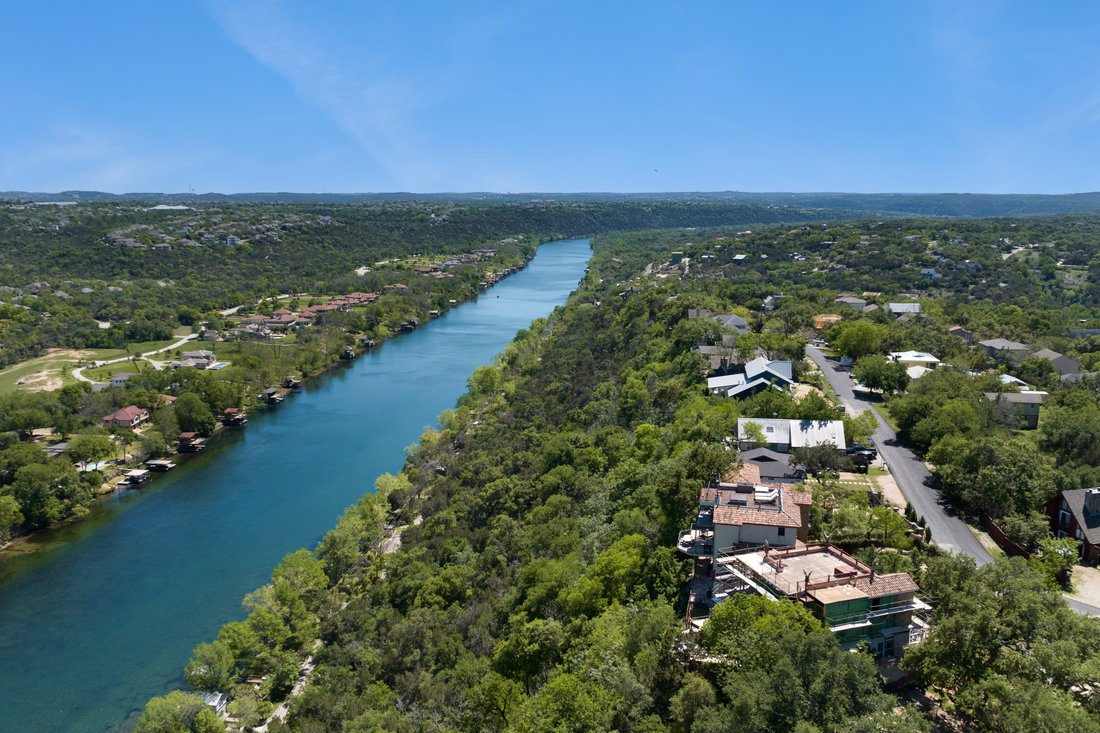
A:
x: 537, y: 586
x: 149, y: 270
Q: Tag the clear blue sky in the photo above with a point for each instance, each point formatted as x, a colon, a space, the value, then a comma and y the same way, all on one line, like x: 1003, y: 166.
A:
x: 289, y: 95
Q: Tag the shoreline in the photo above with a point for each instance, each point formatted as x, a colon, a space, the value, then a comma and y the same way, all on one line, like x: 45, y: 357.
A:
x: 103, y: 495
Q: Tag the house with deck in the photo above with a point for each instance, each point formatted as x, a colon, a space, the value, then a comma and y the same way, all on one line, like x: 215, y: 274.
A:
x: 881, y: 611
x: 746, y: 514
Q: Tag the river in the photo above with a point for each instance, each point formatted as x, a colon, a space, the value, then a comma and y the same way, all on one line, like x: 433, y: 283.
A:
x: 107, y: 616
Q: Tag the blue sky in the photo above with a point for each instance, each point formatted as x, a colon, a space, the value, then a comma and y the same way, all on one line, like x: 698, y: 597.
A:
x: 287, y: 95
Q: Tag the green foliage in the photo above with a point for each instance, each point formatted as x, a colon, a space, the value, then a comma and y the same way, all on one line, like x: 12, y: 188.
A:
x: 878, y: 373
x: 178, y: 712
x: 193, y: 414
x: 857, y: 338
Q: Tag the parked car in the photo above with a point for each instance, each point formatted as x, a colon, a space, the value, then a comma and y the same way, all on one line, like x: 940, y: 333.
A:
x: 857, y: 449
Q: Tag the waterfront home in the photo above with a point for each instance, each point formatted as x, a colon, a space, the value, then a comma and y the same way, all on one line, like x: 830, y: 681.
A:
x: 126, y: 417
x: 860, y: 606
x: 190, y: 442
x: 233, y: 416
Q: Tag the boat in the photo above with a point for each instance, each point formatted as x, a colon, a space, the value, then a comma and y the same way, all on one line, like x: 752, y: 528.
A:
x: 433, y: 314
x: 273, y: 397
x: 347, y: 354
x: 292, y: 383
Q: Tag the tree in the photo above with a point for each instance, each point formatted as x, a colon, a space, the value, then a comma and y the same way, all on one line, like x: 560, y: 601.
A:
x: 193, y: 414
x: 10, y: 517
x: 178, y: 712
x: 212, y: 667
x: 819, y: 459
x: 1056, y: 558
x: 858, y: 338
x: 85, y: 449
x: 49, y: 493
x: 876, y: 372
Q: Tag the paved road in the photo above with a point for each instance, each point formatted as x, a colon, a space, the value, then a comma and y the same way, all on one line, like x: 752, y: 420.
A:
x: 79, y: 371
x: 948, y: 531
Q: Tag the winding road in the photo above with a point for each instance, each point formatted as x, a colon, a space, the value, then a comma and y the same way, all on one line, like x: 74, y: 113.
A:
x: 79, y: 371
x: 914, y: 480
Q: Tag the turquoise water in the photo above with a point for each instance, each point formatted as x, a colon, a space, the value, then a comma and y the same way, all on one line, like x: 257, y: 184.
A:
x: 106, y: 617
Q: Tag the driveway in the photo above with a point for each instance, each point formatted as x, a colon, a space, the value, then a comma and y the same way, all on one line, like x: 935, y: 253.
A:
x: 79, y: 371
x: 948, y: 531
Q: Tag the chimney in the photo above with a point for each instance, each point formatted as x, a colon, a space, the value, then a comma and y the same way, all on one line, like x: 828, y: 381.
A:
x: 1092, y: 501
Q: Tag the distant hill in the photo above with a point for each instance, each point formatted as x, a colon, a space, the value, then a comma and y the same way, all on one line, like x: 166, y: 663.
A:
x: 919, y: 204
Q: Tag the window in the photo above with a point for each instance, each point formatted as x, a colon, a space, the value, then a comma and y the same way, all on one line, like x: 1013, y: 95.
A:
x: 769, y: 430
x: 1063, y: 518
x: 782, y: 531
x: 1079, y: 534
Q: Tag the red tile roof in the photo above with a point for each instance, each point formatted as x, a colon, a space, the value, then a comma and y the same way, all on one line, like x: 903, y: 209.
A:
x: 126, y: 414
x: 785, y: 513
x: 891, y: 584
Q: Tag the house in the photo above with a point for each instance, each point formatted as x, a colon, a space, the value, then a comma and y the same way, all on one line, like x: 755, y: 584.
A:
x: 120, y: 379
x: 1076, y: 513
x: 232, y: 241
x: 915, y: 359
x: 1004, y: 349
x: 743, y: 514
x: 959, y: 332
x: 216, y: 701
x: 1064, y: 366
x: 930, y: 273
x: 860, y: 606
x: 190, y: 442
x: 1018, y: 408
x: 783, y: 435
x: 770, y: 466
x: 769, y: 303
x: 1080, y: 333
x: 851, y: 301
x: 898, y: 309
x: 825, y: 320
x: 757, y: 375
x: 734, y: 322
x: 127, y: 417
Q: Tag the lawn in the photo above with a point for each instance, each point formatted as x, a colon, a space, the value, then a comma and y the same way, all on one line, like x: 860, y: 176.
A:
x: 54, y: 370
x: 51, y: 371
x: 104, y: 373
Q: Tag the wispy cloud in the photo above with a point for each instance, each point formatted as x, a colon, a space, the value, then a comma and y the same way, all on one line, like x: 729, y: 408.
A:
x: 374, y: 104
x: 81, y: 156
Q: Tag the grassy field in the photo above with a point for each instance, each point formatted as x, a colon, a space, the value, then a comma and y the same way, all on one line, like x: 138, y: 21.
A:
x: 54, y: 370
x: 104, y: 373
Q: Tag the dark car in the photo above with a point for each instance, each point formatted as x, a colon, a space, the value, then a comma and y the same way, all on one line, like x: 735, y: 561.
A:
x: 861, y: 449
